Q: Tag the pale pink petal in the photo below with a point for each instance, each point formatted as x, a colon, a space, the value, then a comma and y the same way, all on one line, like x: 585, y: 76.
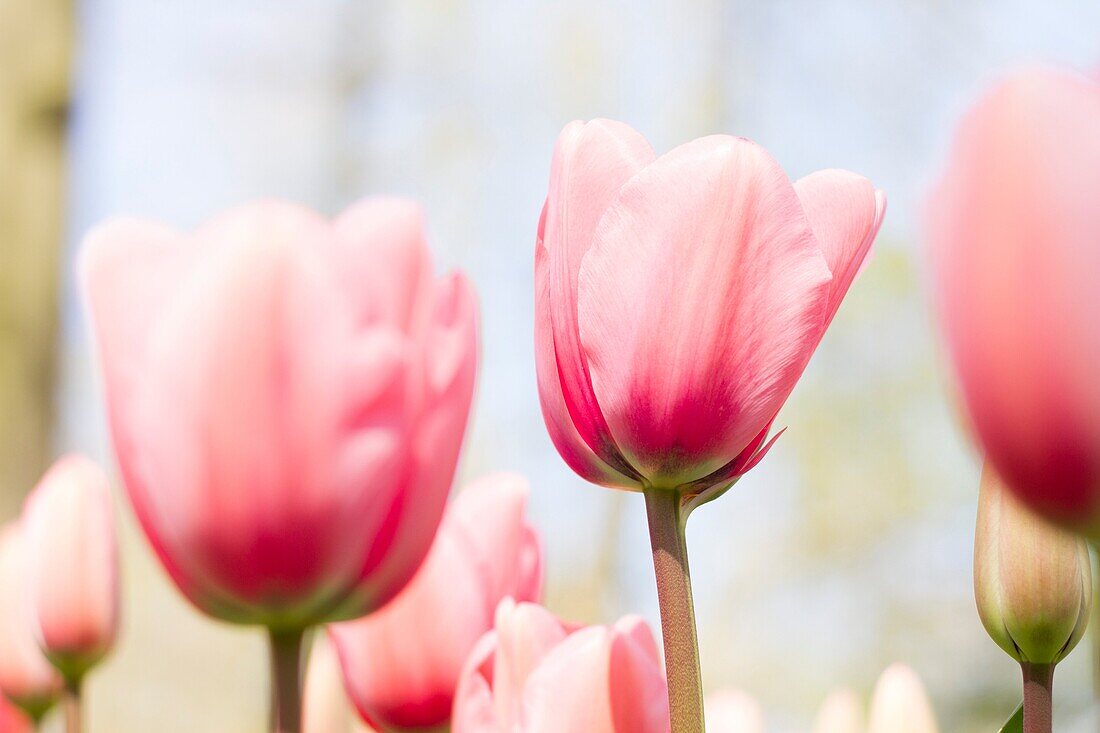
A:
x: 591, y: 162
x: 1013, y: 231
x: 569, y: 689
x: 700, y: 302
x: 900, y: 704
x: 383, y: 260
x: 637, y: 688
x: 526, y: 633
x: 845, y: 213
x: 555, y: 412
x: 474, y: 708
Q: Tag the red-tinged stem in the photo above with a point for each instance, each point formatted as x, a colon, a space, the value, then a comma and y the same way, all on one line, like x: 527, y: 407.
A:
x: 73, y: 702
x: 667, y: 520
x: 286, y: 680
x: 1038, y: 708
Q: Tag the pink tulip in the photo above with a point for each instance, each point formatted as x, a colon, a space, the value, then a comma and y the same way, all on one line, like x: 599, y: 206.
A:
x: 535, y: 674
x: 679, y: 298
x: 287, y: 398
x: 1013, y: 229
x: 26, y: 677
x: 73, y: 564
x: 402, y: 664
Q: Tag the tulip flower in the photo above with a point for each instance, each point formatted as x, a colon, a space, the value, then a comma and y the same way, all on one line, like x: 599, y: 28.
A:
x: 1033, y: 585
x: 733, y: 711
x: 1012, y: 228
x: 72, y: 562
x: 287, y: 398
x: 401, y: 665
x: 535, y: 674
x: 325, y: 707
x: 841, y: 712
x: 27, y: 678
x: 900, y: 704
x: 677, y: 301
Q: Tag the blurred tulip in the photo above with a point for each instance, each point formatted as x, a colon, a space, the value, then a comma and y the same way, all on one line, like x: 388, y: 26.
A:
x: 72, y: 565
x: 1032, y: 580
x: 26, y: 677
x: 401, y: 664
x: 841, y: 712
x: 325, y: 708
x: 12, y: 719
x: 287, y: 398
x: 733, y: 711
x: 679, y: 298
x: 900, y: 704
x: 535, y: 674
x: 1013, y: 230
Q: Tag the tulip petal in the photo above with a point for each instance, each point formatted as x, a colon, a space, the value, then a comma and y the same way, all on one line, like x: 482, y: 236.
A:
x: 383, y: 260
x: 591, y: 162
x: 700, y: 302
x: 638, y: 691
x: 845, y: 213
x: 569, y: 689
x: 526, y: 633
x: 475, y: 709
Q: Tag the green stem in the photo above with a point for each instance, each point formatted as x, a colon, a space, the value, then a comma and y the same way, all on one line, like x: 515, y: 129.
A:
x: 1038, y: 687
x: 667, y: 521
x: 286, y: 680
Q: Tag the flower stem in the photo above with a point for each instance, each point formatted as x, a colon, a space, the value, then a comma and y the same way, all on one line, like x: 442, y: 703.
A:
x: 1038, y: 684
x: 286, y: 680
x: 667, y: 521
x: 73, y: 703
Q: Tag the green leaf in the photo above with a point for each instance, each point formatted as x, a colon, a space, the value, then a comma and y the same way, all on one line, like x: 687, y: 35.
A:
x: 1015, y: 724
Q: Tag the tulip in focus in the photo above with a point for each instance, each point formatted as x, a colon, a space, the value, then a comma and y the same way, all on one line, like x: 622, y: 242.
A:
x: 72, y: 562
x: 402, y: 663
x: 27, y: 678
x: 733, y: 711
x: 535, y: 674
x: 677, y: 301
x: 1013, y: 227
x: 900, y: 704
x: 842, y: 712
x: 287, y: 397
x: 325, y: 707
x: 679, y: 298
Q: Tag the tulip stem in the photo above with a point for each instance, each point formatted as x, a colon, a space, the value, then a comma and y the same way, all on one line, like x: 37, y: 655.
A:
x: 73, y: 701
x: 286, y: 680
x: 667, y: 523
x: 1038, y: 686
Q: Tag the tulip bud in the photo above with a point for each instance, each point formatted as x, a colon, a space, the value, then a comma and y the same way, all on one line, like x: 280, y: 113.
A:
x: 900, y: 704
x: 26, y: 677
x: 73, y: 565
x: 734, y: 711
x: 841, y: 712
x: 1032, y: 580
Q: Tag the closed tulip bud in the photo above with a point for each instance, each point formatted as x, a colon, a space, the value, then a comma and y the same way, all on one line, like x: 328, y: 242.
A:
x: 1032, y: 580
x: 536, y: 674
x: 1013, y: 227
x: 900, y: 704
x: 26, y: 676
x: 842, y: 712
x: 72, y: 560
x: 734, y: 711
x: 680, y: 297
x: 401, y: 665
x: 287, y: 398
x: 325, y: 707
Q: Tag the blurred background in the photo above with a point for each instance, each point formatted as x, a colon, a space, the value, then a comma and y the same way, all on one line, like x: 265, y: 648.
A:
x: 848, y: 548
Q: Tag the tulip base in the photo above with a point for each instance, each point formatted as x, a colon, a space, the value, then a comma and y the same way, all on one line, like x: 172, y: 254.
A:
x: 286, y: 680
x: 1038, y: 707
x: 667, y: 523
